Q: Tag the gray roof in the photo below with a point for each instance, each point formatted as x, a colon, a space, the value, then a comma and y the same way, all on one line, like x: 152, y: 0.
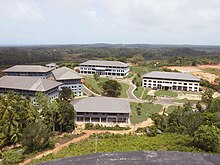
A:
x: 140, y: 158
x: 65, y: 73
x: 101, y: 104
x: 28, y: 68
x: 171, y: 75
x: 27, y: 83
x: 105, y: 63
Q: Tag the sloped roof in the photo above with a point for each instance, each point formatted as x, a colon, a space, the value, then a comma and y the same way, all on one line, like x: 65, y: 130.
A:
x: 28, y: 68
x: 27, y: 83
x: 65, y: 73
x: 101, y: 105
x: 105, y: 63
x: 171, y: 75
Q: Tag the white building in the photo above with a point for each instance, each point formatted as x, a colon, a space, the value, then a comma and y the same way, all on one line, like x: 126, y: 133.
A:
x: 106, y: 68
x: 69, y: 78
x: 29, y: 70
x: 28, y: 86
x: 52, y: 66
x: 102, y: 110
x: 171, y: 81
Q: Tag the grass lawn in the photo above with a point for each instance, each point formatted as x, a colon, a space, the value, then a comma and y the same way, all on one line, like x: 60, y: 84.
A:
x: 146, y: 93
x: 130, y: 75
x: 138, y: 92
x: 146, y: 111
x: 138, y: 69
x: 186, y: 100
x: 124, y: 90
x: 123, y: 143
x: 170, y: 109
x: 94, y: 84
x: 166, y: 93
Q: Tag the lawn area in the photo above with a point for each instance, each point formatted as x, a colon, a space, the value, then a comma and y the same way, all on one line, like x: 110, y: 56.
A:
x: 138, y: 69
x: 146, y: 111
x: 186, y: 100
x: 130, y: 75
x: 94, y: 84
x: 124, y: 90
x: 123, y: 143
x: 138, y: 92
x: 166, y: 93
x: 146, y: 93
x: 170, y: 109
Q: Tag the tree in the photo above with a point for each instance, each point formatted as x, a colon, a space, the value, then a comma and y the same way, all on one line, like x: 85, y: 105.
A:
x: 215, y: 106
x: 151, y: 99
x: 207, y: 138
x: 111, y: 88
x: 66, y: 116
x: 207, y: 97
x: 96, y: 77
x: 66, y: 93
x: 137, y: 59
x: 37, y: 137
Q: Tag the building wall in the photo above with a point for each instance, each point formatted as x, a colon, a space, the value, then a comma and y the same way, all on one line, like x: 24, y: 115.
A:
x: 30, y: 74
x: 170, y: 84
x: 104, y: 70
x: 102, y: 118
x: 75, y: 85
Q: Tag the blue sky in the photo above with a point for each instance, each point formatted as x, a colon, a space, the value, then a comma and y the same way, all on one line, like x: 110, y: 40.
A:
x: 109, y: 21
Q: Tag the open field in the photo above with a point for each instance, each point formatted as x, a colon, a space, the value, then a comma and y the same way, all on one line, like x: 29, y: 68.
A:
x: 124, y: 90
x: 146, y: 111
x: 207, y: 72
x: 166, y: 93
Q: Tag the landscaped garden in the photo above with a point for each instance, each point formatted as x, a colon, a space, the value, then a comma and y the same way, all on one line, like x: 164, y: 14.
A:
x: 145, y: 109
x: 186, y: 101
x: 139, y: 91
x: 161, y: 93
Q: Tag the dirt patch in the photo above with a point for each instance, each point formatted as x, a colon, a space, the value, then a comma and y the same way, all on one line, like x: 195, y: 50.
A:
x: 198, y: 71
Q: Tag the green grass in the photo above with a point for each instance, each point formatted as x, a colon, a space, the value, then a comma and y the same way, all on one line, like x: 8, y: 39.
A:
x: 170, y: 109
x: 130, y: 75
x: 138, y: 69
x: 94, y: 84
x: 186, y: 100
x: 146, y: 93
x: 124, y: 90
x: 123, y: 143
x: 138, y: 92
x: 166, y: 93
x: 146, y: 111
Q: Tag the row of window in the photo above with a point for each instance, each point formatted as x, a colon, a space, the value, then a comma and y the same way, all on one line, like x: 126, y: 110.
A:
x: 171, y: 82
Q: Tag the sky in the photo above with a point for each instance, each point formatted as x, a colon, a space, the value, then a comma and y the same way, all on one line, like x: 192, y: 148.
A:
x: 36, y: 22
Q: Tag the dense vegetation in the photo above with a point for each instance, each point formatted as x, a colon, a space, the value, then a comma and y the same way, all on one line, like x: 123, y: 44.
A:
x: 124, y: 143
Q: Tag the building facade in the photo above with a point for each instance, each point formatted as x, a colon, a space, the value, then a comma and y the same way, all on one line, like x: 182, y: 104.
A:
x: 29, y: 70
x: 104, y: 68
x: 171, y: 81
x: 102, y: 110
x: 70, y: 79
x: 28, y: 86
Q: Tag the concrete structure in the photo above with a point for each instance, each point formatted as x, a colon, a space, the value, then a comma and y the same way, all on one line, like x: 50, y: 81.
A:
x: 171, y: 81
x: 102, y: 110
x: 69, y: 78
x: 52, y: 66
x: 28, y: 86
x: 104, y: 68
x: 29, y: 70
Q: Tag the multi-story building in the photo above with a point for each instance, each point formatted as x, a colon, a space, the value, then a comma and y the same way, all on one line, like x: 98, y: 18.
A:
x: 29, y: 70
x: 102, y: 110
x: 69, y: 78
x: 52, y: 66
x: 171, y: 81
x: 28, y: 86
x: 106, y: 68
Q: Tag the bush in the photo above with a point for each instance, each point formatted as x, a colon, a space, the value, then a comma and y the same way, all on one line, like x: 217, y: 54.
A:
x: 207, y: 138
x: 12, y: 157
x: 90, y: 126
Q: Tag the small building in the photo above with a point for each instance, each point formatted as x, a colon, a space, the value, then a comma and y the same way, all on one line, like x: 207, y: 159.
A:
x: 52, y: 66
x: 102, y: 110
x: 69, y: 78
x: 104, y: 68
x: 171, y: 81
x: 28, y: 86
x: 29, y: 70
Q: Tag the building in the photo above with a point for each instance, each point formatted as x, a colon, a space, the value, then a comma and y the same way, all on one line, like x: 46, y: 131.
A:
x: 171, y: 81
x: 106, y: 68
x: 29, y: 70
x: 102, y: 110
x: 52, y: 66
x: 28, y: 86
x: 69, y: 78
